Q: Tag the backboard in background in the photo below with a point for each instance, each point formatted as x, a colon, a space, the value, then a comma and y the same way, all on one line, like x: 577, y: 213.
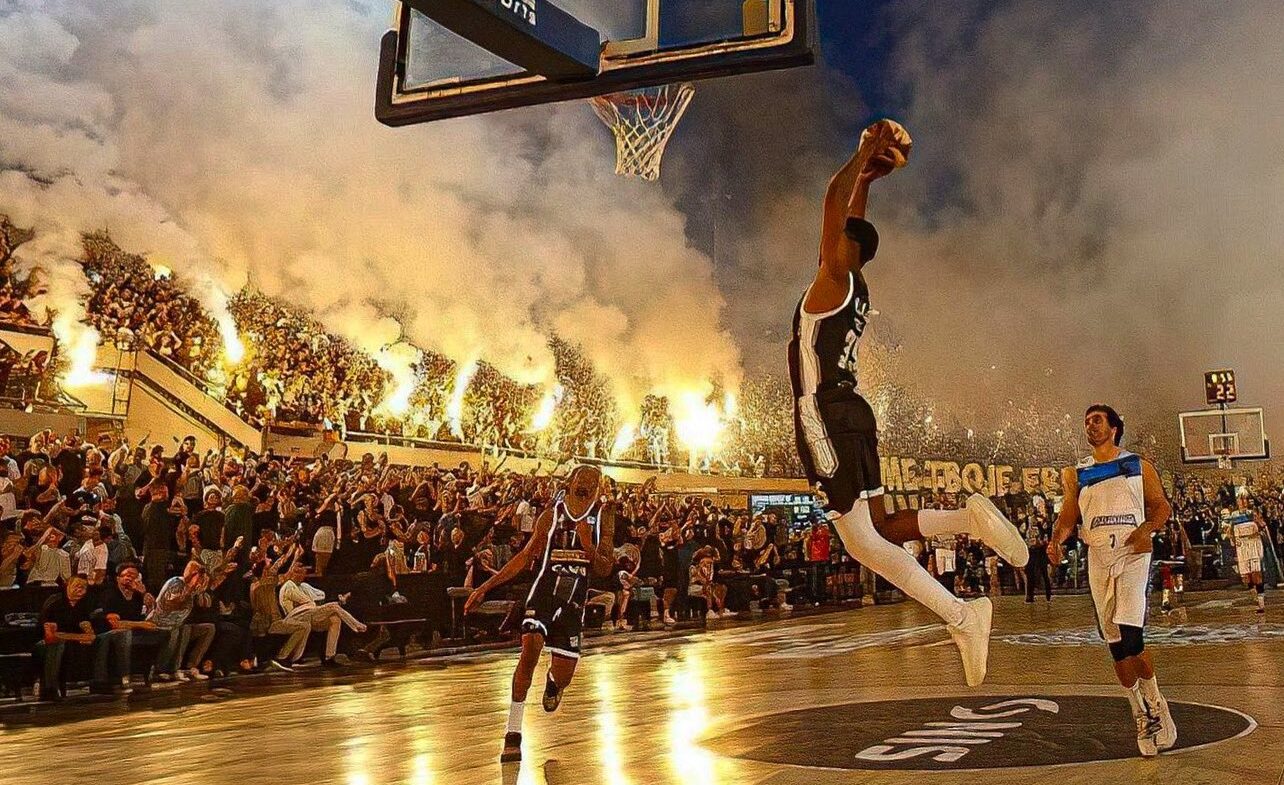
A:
x: 1221, y: 436
x: 452, y: 58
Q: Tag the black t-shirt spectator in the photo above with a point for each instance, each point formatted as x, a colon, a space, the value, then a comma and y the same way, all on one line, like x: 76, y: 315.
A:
x: 67, y: 616
x: 72, y: 464
x: 454, y: 563
x: 652, y: 564
x: 113, y: 601
x: 211, y: 523
x: 158, y: 527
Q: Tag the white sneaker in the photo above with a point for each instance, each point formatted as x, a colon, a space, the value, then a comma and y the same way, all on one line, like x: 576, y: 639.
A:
x: 1148, y: 727
x: 727, y: 613
x: 1167, y: 736
x: 196, y: 675
x: 669, y: 619
x: 785, y: 607
x: 972, y: 636
x: 182, y: 676
x: 992, y: 528
x: 711, y: 615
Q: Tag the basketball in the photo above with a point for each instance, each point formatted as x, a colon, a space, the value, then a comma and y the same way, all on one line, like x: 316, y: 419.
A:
x: 887, y: 136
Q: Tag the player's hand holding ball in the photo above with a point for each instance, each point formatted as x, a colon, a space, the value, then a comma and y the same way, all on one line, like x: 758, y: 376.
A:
x: 885, y: 147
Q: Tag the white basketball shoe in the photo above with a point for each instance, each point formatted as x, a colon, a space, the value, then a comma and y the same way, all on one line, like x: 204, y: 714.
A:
x: 994, y: 529
x: 1167, y: 736
x: 972, y: 636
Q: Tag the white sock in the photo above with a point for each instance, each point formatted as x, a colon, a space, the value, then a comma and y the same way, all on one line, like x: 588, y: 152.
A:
x: 515, y: 710
x: 1150, y: 691
x: 856, y: 529
x: 1136, y: 699
x: 936, y: 522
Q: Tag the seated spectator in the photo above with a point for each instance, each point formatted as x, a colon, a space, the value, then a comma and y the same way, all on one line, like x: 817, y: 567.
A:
x: 702, y: 583
x: 174, y: 604
x: 65, y: 619
x: 300, y: 600
x: 266, y: 617
x: 122, y: 617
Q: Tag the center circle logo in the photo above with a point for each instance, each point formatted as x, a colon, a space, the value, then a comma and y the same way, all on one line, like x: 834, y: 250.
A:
x: 952, y: 733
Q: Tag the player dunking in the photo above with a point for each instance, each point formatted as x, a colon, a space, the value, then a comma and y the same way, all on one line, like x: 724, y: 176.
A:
x: 1117, y: 501
x: 835, y: 427
x: 565, y: 545
x: 1247, y: 528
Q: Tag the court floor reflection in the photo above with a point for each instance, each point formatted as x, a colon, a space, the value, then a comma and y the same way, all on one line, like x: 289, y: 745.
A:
x: 650, y: 712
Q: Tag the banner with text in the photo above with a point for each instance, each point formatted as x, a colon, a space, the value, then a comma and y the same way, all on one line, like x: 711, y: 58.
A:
x: 914, y: 475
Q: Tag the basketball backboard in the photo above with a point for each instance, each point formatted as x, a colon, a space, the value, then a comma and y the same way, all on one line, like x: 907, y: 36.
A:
x: 451, y: 58
x: 1223, y: 435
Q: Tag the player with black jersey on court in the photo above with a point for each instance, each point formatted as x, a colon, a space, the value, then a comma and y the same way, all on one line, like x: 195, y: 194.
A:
x: 835, y: 427
x: 572, y: 538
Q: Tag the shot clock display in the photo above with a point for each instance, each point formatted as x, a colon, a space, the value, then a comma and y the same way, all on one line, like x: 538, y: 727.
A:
x: 1219, y: 387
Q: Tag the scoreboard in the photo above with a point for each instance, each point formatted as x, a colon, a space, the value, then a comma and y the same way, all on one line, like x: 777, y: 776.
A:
x: 1219, y: 387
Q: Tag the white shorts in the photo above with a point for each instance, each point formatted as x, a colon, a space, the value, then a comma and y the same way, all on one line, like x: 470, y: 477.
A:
x: 1120, y: 584
x: 1248, y: 556
x: 945, y: 561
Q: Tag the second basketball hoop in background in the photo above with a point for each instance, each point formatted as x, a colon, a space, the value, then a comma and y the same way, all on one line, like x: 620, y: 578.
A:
x: 643, y: 121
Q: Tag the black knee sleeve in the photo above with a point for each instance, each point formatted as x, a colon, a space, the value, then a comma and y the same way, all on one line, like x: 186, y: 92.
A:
x: 1261, y: 587
x: 1131, y: 643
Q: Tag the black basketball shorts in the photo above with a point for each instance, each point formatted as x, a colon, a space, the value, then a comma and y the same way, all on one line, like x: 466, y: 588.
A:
x: 555, y: 610
x: 838, y: 442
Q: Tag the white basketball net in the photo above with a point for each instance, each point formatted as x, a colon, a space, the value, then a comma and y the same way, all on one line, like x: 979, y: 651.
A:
x: 642, y: 121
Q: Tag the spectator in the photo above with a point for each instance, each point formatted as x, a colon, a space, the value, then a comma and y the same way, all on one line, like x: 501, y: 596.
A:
x: 46, y: 563
x: 174, y: 604
x: 65, y: 619
x: 300, y: 601
x: 122, y: 610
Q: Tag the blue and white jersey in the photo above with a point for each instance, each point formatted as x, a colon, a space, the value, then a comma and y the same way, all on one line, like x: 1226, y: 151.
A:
x: 1112, y: 500
x: 1243, y: 524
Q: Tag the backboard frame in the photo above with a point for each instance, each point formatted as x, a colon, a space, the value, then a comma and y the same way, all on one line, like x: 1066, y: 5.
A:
x: 625, y: 65
x: 1215, y: 453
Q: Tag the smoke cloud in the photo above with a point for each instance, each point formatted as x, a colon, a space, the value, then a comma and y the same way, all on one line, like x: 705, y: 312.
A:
x: 245, y: 130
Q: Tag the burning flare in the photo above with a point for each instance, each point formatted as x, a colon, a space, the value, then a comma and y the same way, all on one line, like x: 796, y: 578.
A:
x: 455, y: 409
x: 624, y: 439
x: 547, y: 408
x: 233, y: 348
x: 699, y: 423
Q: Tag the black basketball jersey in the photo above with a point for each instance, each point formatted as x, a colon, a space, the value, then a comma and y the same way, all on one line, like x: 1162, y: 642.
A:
x: 824, y: 347
x: 564, y: 553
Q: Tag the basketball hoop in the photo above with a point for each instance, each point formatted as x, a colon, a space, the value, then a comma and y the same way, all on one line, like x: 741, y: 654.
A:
x: 642, y: 121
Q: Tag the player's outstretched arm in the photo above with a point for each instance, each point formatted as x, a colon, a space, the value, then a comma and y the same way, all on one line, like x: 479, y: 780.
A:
x: 1069, y: 516
x: 846, y: 240
x: 1158, y: 510
x: 514, y: 566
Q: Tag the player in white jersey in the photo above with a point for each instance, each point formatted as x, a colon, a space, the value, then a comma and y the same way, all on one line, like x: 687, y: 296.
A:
x: 1247, y: 528
x: 572, y: 538
x: 1118, y: 503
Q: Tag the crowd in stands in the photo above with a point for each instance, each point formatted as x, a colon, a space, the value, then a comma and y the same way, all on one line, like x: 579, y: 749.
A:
x: 218, y: 562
